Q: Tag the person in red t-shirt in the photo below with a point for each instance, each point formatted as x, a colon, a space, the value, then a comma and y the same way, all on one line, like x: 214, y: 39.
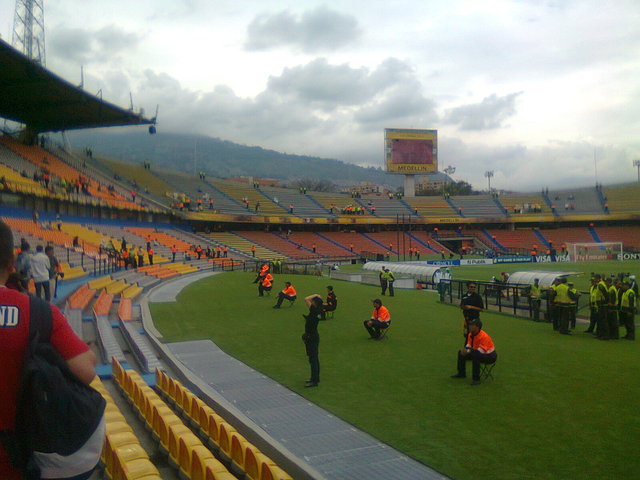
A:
x: 14, y: 333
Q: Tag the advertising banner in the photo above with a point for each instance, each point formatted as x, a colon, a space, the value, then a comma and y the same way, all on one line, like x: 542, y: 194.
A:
x: 443, y: 262
x: 628, y: 256
x: 514, y: 259
x: 476, y: 261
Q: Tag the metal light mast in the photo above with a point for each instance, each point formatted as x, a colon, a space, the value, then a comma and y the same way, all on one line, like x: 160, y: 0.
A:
x: 28, y: 29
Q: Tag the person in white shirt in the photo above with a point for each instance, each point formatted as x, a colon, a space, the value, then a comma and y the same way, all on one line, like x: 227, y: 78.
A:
x: 40, y: 268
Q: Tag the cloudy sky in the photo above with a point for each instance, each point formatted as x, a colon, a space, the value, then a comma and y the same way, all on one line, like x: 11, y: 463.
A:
x: 533, y: 90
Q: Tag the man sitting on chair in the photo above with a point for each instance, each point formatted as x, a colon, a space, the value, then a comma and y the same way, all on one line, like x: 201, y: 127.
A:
x: 332, y: 300
x: 380, y: 319
x: 288, y: 293
x: 265, y: 284
x: 479, y: 349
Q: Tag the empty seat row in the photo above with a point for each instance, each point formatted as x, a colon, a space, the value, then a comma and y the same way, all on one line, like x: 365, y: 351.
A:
x: 244, y: 458
x: 184, y: 449
x: 123, y: 458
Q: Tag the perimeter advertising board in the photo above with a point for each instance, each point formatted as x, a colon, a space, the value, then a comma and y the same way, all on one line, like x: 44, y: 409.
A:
x: 411, y: 151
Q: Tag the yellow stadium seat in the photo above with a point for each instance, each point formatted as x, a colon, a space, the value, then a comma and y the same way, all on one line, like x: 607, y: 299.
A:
x: 186, y: 404
x: 194, y: 410
x: 201, y: 464
x: 224, y: 441
x: 203, y: 417
x: 140, y: 469
x: 273, y: 472
x: 172, y: 439
x: 238, y: 445
x: 112, y: 428
x: 112, y: 442
x: 187, y: 440
x: 214, y: 421
x: 196, y: 455
x: 253, y: 461
x: 171, y: 391
x: 163, y: 416
x: 211, y: 474
x: 125, y: 454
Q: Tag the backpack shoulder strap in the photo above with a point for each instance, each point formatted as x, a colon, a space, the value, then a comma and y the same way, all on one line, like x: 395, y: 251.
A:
x: 40, y: 321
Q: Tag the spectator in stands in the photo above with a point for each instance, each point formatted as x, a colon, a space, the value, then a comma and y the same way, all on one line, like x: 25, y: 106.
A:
x: 287, y: 293
x: 40, y: 266
x: 13, y: 343
x: 23, y: 265
x: 478, y: 349
x: 55, y: 270
x: 380, y: 319
x: 311, y: 338
x: 253, y: 251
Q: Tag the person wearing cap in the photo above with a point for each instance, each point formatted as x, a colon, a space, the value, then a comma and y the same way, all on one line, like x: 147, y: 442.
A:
x: 628, y: 310
x: 471, y: 305
x: 380, y: 319
x: 478, y: 349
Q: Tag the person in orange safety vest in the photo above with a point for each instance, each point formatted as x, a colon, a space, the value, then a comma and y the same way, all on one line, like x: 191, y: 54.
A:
x: 265, y: 285
x: 380, y: 319
x: 479, y: 349
x: 264, y: 269
x: 287, y: 293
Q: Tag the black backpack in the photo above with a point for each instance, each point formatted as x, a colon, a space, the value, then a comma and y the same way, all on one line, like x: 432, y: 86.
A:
x: 56, y: 412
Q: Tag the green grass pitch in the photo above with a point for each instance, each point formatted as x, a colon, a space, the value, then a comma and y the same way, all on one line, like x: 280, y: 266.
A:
x: 559, y: 407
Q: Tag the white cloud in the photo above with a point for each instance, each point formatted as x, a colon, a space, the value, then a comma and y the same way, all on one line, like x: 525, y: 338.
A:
x: 316, y: 30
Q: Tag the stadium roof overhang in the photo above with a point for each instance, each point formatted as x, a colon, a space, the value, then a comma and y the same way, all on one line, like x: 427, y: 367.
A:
x: 32, y: 95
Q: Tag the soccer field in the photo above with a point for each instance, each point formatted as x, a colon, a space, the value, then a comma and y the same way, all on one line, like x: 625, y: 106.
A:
x: 559, y: 407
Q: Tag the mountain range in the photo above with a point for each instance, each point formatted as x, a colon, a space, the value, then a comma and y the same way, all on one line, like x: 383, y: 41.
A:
x: 222, y: 158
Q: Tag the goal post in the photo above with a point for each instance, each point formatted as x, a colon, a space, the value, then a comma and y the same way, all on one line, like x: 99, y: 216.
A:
x: 590, y: 252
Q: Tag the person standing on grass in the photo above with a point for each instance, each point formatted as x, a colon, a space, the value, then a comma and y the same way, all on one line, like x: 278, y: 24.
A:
x: 628, y: 310
x: 311, y: 337
x: 471, y: 305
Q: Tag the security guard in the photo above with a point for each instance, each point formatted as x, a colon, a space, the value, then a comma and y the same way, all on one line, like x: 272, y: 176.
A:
x: 382, y: 276
x: 594, y: 306
x: 612, y: 310
x: 553, y: 310
x: 603, y: 307
x: 563, y: 305
x: 628, y: 310
x: 534, y: 297
x: 574, y: 295
x: 390, y: 278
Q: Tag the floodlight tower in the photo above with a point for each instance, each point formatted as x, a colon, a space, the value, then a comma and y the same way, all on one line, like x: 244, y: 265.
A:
x: 636, y: 163
x: 28, y: 29
x: 489, y: 174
